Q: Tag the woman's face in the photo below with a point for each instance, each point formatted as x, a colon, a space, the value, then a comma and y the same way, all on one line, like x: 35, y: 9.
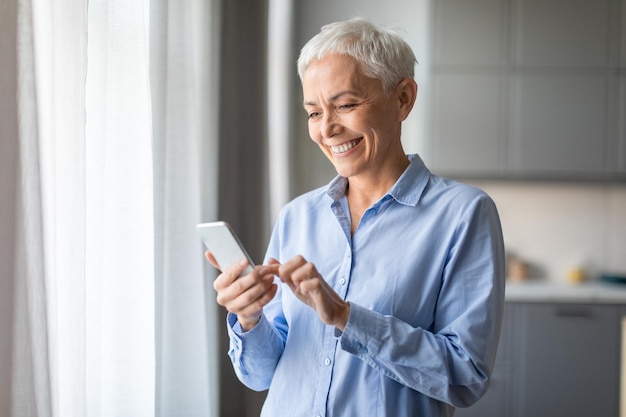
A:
x: 350, y: 117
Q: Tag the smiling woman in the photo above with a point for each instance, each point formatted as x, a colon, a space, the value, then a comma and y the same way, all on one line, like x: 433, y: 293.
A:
x: 381, y: 292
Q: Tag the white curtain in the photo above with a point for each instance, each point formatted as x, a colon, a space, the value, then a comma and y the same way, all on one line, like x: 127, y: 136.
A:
x: 280, y: 94
x: 119, y: 264
x: 108, y: 124
x: 184, y: 78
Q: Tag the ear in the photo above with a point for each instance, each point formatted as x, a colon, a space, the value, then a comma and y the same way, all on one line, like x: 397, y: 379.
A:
x: 406, y: 93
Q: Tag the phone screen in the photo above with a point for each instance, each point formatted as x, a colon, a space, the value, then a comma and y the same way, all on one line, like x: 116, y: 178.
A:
x: 223, y: 243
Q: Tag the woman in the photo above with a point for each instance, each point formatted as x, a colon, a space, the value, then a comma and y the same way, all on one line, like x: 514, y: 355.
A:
x: 391, y: 279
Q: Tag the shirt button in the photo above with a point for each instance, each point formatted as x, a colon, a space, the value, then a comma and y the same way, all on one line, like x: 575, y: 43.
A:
x: 327, y: 361
x: 342, y: 281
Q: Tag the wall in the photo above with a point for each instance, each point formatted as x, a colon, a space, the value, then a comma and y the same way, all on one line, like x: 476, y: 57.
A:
x: 558, y: 226
x: 242, y: 184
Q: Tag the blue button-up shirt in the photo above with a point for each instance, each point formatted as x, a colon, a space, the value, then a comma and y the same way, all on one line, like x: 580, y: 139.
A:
x: 424, y: 275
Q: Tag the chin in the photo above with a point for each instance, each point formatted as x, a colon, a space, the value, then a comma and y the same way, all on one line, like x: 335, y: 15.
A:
x: 346, y: 172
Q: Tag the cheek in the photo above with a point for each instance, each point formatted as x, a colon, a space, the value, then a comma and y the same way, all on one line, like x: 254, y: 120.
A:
x: 316, y: 137
x: 314, y: 134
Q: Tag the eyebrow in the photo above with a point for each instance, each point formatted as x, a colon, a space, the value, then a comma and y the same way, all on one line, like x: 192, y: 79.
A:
x: 333, y: 98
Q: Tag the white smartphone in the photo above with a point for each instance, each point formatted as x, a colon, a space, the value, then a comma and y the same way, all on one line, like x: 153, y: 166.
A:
x: 222, y: 242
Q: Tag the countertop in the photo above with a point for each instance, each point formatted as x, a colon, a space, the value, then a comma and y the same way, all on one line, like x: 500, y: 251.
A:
x: 585, y: 292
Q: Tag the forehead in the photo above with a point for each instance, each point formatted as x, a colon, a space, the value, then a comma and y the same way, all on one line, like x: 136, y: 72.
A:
x: 334, y: 73
x: 332, y: 63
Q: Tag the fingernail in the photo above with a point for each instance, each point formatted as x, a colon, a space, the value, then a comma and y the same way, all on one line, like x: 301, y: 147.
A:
x: 243, y: 262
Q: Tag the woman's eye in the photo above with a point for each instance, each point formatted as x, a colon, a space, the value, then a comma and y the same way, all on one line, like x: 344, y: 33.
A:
x: 313, y: 115
x: 346, y: 106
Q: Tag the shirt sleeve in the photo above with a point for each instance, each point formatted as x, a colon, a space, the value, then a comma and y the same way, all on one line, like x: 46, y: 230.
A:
x: 257, y: 349
x: 255, y: 353
x: 453, y: 360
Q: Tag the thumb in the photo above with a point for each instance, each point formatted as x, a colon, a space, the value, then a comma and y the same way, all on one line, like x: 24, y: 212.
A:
x: 209, y: 256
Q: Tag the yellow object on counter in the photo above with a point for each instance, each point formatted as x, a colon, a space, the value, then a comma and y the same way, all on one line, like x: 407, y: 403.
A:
x: 576, y: 275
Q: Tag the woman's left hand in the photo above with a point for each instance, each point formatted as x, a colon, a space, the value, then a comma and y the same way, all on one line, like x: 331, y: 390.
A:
x: 310, y: 288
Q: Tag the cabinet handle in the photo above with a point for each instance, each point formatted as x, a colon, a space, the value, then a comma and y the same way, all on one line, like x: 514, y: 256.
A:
x: 573, y: 313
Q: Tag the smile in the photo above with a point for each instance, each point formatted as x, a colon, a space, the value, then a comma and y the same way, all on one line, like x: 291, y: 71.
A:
x: 345, y: 147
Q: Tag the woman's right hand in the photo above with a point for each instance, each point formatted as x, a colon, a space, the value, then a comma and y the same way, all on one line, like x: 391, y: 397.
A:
x: 245, y: 296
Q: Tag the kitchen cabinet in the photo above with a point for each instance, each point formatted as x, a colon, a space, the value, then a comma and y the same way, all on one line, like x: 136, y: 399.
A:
x: 528, y: 89
x: 556, y: 359
x: 569, y: 360
x: 468, y: 84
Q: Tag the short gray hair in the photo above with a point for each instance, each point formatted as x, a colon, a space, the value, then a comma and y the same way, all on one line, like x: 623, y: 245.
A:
x: 381, y: 53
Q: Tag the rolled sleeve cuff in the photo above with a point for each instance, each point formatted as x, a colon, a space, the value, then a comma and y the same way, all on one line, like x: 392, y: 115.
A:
x: 363, y: 332
x: 238, y: 339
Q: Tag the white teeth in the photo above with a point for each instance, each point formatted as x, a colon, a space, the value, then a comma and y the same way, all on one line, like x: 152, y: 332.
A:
x: 344, y: 147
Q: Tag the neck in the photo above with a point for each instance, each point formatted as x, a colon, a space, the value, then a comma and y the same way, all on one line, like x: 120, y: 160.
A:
x: 366, y: 190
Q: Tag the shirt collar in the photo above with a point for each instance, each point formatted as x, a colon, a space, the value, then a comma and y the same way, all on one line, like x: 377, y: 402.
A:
x: 407, y: 190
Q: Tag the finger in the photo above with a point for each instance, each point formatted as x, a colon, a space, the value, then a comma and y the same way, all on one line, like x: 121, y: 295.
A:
x: 251, y: 315
x: 302, y: 275
x: 267, y: 296
x: 272, y: 261
x: 230, y: 285
x: 226, y: 278
x: 253, y: 299
x: 270, y: 269
x: 257, y: 304
x: 304, y: 272
x: 209, y: 256
x: 286, y: 270
x: 310, y: 286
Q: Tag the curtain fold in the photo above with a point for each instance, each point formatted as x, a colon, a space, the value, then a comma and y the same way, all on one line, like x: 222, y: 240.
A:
x: 119, y: 258
x: 280, y: 93
x: 61, y: 65
x: 184, y: 39
x: 31, y: 389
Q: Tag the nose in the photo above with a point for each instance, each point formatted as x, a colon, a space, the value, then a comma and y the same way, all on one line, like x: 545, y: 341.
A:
x: 330, y: 124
